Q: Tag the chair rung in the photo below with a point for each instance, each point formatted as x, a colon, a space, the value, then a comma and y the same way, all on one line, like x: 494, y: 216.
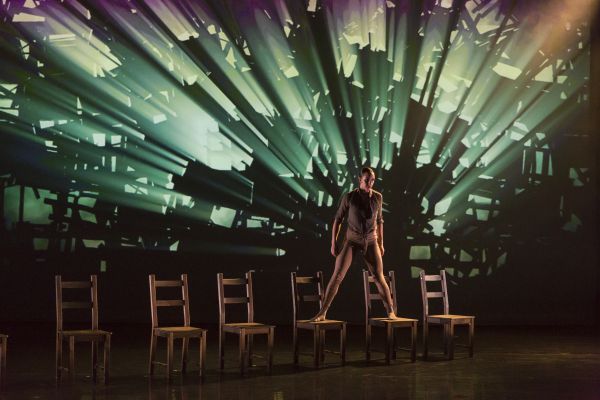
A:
x: 431, y: 295
x: 311, y: 297
x: 76, y: 304
x: 236, y: 300
x: 234, y: 281
x: 433, y: 278
x: 375, y: 296
x: 168, y: 283
x: 305, y: 279
x: 76, y: 284
x: 396, y: 349
x: 159, y: 363
x: 169, y: 303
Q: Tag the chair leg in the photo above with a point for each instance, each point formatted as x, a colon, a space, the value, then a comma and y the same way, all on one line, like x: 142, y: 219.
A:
x: 389, y: 342
x: 221, y: 349
x: 3, y: 351
x: 395, y: 344
x: 59, y: 352
x: 295, y: 344
x: 450, y: 340
x: 249, y: 349
x: 242, y: 351
x: 413, y: 342
x: 107, y: 359
x: 170, y: 343
x: 153, y: 340
x: 270, y: 345
x: 471, y: 337
x: 316, y: 345
x: 445, y: 339
x: 425, y: 339
x: 368, y: 341
x: 202, y: 354
x: 184, y: 354
x: 343, y: 344
x: 322, y: 347
x: 1, y: 361
x: 94, y: 360
x: 72, y: 357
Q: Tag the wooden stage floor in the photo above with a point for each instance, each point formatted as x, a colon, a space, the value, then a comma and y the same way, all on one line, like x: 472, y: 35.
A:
x: 509, y: 363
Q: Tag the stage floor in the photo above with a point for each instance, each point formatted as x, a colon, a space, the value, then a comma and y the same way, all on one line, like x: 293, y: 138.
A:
x: 509, y: 363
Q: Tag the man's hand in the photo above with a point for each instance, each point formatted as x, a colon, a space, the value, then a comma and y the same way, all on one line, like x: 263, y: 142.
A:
x: 333, y: 250
x: 381, y: 249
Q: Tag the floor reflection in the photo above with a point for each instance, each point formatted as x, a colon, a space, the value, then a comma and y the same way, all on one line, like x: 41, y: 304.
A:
x: 509, y: 363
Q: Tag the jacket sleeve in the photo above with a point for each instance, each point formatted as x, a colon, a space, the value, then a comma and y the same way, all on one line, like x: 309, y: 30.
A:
x: 380, y: 210
x: 342, y: 209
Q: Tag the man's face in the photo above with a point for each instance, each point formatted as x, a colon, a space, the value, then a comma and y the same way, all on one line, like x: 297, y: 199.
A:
x: 367, y: 181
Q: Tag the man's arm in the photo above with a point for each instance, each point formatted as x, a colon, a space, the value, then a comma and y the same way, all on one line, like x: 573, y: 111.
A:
x: 334, y: 234
x: 380, y: 238
x: 337, y: 222
x: 380, y: 225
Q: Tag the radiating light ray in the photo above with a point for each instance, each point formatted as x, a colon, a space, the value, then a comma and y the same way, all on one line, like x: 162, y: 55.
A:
x: 255, y: 116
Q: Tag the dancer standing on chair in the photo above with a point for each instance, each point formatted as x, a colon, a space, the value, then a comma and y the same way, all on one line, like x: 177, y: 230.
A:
x: 362, y: 207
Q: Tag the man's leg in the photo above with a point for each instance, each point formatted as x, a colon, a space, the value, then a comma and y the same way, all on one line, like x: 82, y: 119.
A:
x: 375, y: 265
x: 342, y: 263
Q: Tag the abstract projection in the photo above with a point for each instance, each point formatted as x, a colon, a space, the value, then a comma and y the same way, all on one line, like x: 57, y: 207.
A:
x: 234, y: 127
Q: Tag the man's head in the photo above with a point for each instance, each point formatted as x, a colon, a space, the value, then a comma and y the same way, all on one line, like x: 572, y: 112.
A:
x: 366, y: 180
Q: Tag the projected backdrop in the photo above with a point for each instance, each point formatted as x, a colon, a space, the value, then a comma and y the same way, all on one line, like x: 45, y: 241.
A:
x: 235, y: 126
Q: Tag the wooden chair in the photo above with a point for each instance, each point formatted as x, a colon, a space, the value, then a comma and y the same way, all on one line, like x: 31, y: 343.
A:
x: 318, y: 328
x: 447, y: 320
x: 390, y: 325
x: 185, y: 332
x: 245, y: 330
x: 3, y: 348
x: 94, y: 335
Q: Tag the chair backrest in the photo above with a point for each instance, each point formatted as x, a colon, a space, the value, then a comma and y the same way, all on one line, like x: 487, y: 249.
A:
x: 368, y: 278
x: 425, y: 295
x: 297, y: 299
x: 61, y: 305
x: 248, y: 299
x: 184, y: 302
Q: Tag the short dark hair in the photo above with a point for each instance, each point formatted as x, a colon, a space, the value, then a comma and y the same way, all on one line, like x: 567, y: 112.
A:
x: 367, y: 170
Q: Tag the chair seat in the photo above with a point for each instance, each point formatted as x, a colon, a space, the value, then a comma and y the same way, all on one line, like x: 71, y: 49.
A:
x: 250, y: 327
x: 326, y: 324
x: 178, y: 331
x: 85, y: 334
x: 384, y: 321
x: 447, y: 318
x: 2, y: 336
